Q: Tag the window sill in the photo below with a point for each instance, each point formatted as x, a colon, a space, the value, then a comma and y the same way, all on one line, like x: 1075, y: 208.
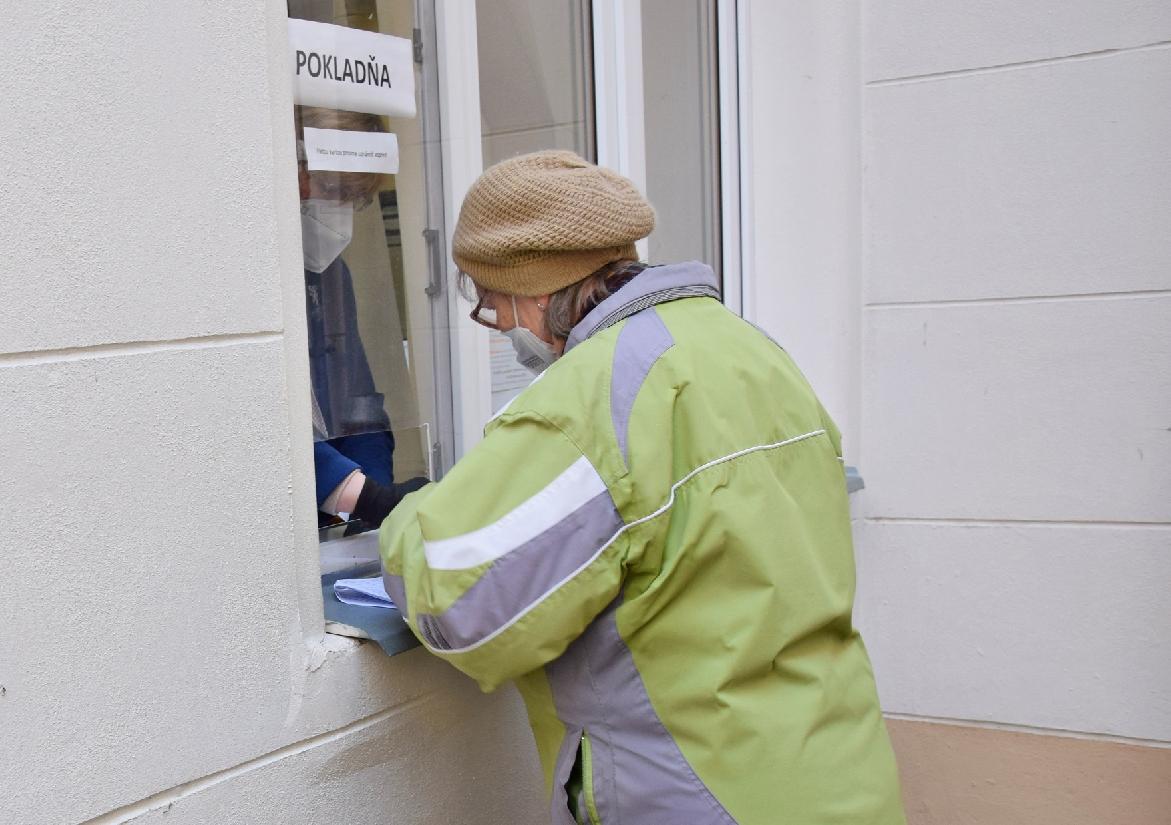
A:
x: 354, y: 557
x: 349, y: 552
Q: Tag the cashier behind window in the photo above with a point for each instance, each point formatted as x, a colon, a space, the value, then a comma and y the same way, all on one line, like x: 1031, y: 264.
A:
x: 353, y: 449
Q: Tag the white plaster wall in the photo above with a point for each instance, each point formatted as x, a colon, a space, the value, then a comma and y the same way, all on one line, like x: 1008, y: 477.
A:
x: 1054, y: 626
x: 956, y: 222
x: 918, y: 37
x: 160, y: 617
x: 1014, y: 536
x: 1045, y: 180
x: 800, y: 91
x: 1036, y: 411
x: 441, y: 756
x: 127, y: 135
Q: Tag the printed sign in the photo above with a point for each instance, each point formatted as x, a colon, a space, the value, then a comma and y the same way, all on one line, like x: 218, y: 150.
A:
x: 359, y: 71
x: 336, y: 150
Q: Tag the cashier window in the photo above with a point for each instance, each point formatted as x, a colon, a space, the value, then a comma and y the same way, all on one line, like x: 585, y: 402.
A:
x: 369, y: 178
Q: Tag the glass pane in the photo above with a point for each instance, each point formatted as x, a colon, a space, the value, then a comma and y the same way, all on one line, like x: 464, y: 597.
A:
x: 535, y: 77
x: 681, y: 122
x: 378, y: 363
x: 536, y: 92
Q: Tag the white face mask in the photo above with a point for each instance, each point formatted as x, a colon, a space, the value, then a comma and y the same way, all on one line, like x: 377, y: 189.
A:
x: 326, y: 229
x: 532, y: 353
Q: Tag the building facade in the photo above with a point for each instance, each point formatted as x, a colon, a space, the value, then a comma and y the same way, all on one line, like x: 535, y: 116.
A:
x: 954, y: 216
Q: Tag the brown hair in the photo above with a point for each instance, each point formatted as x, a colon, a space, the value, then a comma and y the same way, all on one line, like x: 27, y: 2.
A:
x: 357, y: 187
x: 567, y: 306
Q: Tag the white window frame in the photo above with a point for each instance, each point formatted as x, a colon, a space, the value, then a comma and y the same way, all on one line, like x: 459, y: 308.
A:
x: 463, y: 161
x: 620, y: 143
x: 620, y: 124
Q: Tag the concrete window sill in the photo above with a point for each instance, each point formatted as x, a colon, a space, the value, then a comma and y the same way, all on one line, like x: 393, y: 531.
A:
x: 354, y: 557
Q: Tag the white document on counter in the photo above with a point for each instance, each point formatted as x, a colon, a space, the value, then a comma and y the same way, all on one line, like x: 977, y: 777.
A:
x: 367, y: 592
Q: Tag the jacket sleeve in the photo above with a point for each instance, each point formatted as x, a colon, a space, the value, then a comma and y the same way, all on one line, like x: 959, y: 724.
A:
x: 508, y: 559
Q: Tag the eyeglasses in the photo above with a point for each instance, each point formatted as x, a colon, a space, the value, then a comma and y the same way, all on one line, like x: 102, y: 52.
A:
x: 484, y: 316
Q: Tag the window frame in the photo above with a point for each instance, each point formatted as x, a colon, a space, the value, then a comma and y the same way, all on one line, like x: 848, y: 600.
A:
x: 619, y: 141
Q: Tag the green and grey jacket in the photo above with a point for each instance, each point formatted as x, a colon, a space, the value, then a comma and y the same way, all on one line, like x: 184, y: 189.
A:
x: 653, y: 541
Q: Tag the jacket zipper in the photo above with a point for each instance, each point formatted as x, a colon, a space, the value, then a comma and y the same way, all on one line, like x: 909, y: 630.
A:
x: 587, y: 780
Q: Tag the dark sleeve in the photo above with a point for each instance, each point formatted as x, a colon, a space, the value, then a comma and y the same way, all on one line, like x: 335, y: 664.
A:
x: 373, y: 453
x: 331, y: 467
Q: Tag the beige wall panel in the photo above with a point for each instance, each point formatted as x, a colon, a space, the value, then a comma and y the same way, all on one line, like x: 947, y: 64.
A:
x: 146, y: 610
x: 138, y: 174
x: 802, y: 153
x: 455, y: 758
x: 1053, y: 411
x: 914, y: 37
x: 956, y: 775
x: 138, y: 653
x: 1047, y: 180
x: 1047, y: 626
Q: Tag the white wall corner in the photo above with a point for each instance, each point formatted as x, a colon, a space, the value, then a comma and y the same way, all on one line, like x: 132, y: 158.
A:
x: 801, y: 149
x: 463, y: 161
x: 295, y: 330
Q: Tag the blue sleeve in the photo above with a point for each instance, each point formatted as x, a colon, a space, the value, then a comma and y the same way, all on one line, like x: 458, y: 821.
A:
x: 331, y: 468
x: 374, y: 453
x: 333, y: 460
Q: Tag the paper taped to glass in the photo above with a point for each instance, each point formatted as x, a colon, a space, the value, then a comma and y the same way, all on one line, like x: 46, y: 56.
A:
x: 337, y: 150
x: 359, y: 71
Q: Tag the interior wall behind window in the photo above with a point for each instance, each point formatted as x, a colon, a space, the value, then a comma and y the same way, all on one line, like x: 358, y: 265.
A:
x: 536, y: 93
x: 535, y: 70
x: 681, y: 124
x: 381, y: 378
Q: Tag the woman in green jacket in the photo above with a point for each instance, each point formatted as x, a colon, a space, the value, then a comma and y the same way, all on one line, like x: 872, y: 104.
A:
x: 652, y: 540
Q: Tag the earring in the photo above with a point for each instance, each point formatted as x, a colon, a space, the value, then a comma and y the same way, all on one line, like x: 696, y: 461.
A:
x: 540, y: 306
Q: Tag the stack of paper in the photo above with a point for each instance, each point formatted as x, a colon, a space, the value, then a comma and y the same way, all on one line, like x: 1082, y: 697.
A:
x: 362, y: 592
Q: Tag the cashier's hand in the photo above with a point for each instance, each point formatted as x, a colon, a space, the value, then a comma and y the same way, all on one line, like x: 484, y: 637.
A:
x: 375, y: 501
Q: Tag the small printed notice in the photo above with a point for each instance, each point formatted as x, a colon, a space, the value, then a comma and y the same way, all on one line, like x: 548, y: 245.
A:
x: 336, y: 150
x: 336, y: 67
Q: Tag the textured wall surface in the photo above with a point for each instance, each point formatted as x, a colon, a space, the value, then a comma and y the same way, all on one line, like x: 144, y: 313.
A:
x: 918, y: 37
x: 1061, y: 627
x: 1041, y: 180
x: 1016, y: 436
x: 161, y: 652
x: 958, y: 223
x: 448, y: 757
x: 139, y: 150
x: 802, y: 155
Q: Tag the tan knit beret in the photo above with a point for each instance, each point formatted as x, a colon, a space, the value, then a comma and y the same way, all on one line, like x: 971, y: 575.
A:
x: 533, y: 224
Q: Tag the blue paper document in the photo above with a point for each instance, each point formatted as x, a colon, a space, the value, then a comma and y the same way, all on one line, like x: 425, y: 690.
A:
x: 362, y: 592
